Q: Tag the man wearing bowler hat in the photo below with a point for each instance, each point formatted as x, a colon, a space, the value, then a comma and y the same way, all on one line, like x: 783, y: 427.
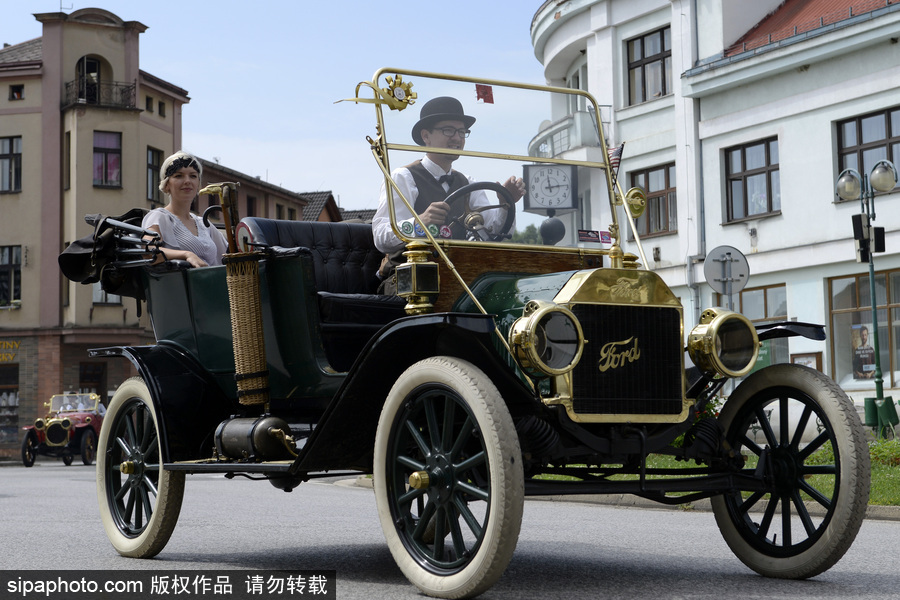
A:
x: 428, y: 181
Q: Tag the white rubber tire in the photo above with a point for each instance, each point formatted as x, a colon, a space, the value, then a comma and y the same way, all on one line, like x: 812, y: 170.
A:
x: 130, y: 534
x: 468, y: 386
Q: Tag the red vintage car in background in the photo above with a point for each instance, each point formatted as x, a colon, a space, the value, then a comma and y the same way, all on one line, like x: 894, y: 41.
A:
x: 71, y: 427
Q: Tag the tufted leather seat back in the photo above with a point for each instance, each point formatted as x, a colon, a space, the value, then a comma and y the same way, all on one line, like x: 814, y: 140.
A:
x: 344, y: 254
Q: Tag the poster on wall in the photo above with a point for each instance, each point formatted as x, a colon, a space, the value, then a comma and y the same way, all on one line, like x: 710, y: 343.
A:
x: 863, y: 352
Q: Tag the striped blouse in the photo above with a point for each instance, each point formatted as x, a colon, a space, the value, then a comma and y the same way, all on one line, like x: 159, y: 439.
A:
x: 209, y: 245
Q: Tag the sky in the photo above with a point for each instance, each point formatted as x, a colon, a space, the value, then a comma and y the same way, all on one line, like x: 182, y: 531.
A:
x: 264, y: 76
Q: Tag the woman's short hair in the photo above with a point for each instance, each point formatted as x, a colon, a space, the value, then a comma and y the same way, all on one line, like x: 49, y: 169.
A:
x: 179, y: 160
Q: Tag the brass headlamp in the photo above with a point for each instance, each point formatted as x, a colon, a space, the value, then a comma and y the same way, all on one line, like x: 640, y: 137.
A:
x: 724, y: 343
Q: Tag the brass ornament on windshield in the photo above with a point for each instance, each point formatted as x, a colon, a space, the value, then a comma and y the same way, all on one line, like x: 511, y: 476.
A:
x: 397, y: 95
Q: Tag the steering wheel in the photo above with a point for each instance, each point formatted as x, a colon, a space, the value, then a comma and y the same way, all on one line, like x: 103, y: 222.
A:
x: 472, y: 220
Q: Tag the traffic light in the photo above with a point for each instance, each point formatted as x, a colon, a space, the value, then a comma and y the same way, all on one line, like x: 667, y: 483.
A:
x: 860, y: 227
x: 868, y: 238
x: 862, y: 251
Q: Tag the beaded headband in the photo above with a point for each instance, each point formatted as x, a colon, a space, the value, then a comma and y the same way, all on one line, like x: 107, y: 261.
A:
x: 180, y: 163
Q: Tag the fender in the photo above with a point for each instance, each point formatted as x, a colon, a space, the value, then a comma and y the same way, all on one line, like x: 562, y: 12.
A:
x: 781, y: 329
x: 345, y: 435
x: 188, y: 401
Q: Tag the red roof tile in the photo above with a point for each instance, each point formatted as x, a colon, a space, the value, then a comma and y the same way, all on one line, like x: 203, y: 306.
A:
x: 795, y: 17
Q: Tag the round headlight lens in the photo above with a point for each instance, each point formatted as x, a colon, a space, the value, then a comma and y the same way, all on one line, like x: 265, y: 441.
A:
x: 736, y: 345
x: 547, y: 339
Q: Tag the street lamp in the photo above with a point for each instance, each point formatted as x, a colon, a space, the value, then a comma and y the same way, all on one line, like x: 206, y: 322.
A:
x: 852, y: 186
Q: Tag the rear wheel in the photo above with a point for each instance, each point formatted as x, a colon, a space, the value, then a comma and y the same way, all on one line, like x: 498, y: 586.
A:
x: 449, y: 484
x: 88, y: 446
x: 139, y: 500
x: 800, y: 429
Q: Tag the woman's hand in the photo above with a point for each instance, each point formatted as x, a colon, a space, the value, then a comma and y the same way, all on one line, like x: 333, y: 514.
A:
x: 194, y: 260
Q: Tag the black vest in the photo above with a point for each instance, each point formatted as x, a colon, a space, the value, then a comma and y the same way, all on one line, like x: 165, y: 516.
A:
x: 431, y: 190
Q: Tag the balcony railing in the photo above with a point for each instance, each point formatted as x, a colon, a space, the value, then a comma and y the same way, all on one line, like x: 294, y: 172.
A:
x: 110, y: 94
x: 574, y: 131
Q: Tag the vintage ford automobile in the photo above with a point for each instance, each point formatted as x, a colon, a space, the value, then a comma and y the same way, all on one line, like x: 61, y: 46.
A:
x: 500, y: 370
x: 71, y: 427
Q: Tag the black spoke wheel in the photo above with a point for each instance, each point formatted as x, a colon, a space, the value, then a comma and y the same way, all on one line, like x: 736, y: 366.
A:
x: 798, y: 429
x: 448, y: 478
x: 88, y: 446
x: 139, y: 500
x: 29, y: 448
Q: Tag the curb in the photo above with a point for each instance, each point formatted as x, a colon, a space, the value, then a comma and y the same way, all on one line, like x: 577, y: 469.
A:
x: 873, y: 511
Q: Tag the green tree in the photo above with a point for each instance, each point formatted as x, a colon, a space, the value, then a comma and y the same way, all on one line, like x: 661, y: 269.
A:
x: 529, y: 236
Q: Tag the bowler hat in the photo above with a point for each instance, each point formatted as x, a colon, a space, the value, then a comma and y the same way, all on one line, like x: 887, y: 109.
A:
x: 442, y: 108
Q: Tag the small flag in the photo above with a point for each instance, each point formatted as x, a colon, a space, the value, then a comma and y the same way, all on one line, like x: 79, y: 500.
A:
x: 615, y: 156
x: 484, y: 93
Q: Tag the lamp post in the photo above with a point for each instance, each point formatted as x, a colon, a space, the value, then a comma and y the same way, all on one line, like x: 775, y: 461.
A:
x: 853, y: 186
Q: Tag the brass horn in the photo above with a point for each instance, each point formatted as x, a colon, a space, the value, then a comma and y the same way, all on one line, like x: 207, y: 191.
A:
x: 636, y: 200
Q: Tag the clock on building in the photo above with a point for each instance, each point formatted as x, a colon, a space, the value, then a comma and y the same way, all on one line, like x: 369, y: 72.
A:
x: 550, y: 187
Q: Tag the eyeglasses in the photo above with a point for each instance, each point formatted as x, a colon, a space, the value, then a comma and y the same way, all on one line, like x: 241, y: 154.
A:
x: 451, y: 131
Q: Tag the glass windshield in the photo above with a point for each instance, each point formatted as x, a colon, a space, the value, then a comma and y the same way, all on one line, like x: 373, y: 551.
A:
x: 72, y: 403
x: 461, y: 131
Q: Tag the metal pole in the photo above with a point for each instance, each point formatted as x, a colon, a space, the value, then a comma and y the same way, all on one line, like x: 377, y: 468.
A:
x: 869, y: 209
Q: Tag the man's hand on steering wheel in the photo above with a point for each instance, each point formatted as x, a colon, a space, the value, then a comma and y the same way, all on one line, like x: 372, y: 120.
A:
x: 516, y: 187
x: 435, y: 214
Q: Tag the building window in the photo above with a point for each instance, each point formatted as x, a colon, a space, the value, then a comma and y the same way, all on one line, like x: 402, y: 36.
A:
x: 92, y: 379
x: 251, y: 206
x: 148, y: 104
x: 660, y: 215
x: 101, y: 296
x: 67, y: 160
x: 107, y: 159
x: 650, y: 66
x: 753, y: 179
x: 279, y: 211
x: 154, y: 162
x: 9, y: 397
x: 764, y: 305
x: 10, y: 275
x: 161, y: 109
x: 11, y: 164
x: 852, y: 332
x: 577, y: 79
x: 863, y: 141
x: 17, y: 92
x: 292, y: 214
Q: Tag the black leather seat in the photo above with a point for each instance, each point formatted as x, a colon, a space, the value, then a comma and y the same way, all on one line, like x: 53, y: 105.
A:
x: 345, y: 263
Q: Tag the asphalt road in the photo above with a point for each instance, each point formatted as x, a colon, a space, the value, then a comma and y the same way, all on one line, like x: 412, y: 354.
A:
x: 49, y: 520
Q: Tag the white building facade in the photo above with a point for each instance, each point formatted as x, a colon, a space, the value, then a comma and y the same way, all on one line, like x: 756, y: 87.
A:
x: 738, y: 118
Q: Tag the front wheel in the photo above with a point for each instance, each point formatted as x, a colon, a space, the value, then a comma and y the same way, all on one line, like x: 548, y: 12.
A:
x: 29, y: 448
x: 448, y: 478
x: 800, y: 430
x: 139, y: 500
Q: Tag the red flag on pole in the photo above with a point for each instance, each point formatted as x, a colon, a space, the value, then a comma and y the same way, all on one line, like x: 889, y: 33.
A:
x: 484, y: 93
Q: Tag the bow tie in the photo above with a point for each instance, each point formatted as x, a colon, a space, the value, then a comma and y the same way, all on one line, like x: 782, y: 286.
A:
x: 448, y: 179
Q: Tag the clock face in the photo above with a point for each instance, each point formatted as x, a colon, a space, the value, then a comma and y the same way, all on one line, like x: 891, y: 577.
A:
x: 550, y: 186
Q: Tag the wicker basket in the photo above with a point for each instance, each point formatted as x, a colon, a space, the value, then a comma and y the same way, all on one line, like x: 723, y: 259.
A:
x: 251, y: 373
